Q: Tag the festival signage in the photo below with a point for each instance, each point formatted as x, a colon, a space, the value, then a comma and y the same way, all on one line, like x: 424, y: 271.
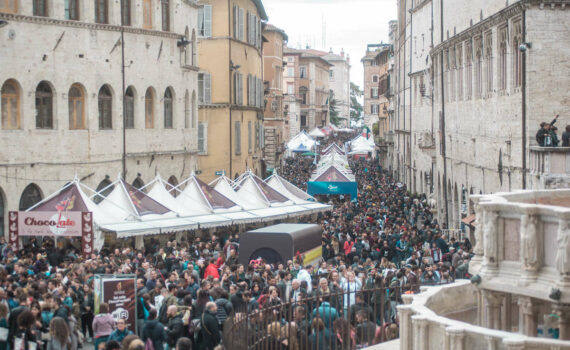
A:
x: 119, y: 293
x: 50, y: 223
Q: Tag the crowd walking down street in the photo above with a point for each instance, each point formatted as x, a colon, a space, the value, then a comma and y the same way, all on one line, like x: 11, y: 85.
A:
x: 194, y: 294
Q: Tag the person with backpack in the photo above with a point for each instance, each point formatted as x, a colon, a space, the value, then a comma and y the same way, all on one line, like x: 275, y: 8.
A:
x: 209, y: 335
x: 169, y: 299
x: 153, y: 333
x: 175, y: 328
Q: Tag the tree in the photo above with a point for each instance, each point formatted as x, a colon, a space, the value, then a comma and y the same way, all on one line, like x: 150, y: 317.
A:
x: 335, y: 118
x: 355, y: 106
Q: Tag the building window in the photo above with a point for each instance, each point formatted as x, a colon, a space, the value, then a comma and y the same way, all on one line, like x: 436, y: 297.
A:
x: 76, y: 103
x: 168, y: 107
x: 452, y: 73
x: 202, y: 138
x: 9, y: 6
x: 459, y: 58
x: 193, y: 106
x: 237, y: 134
x: 40, y: 7
x: 374, y: 92
x: 205, y: 21
x: 374, y: 78
x: 126, y: 12
x: 489, y: 61
x: 72, y: 10
x: 375, y: 109
x: 10, y: 105
x: 104, y: 188
x: 147, y: 14
x: 290, y: 88
x: 249, y: 140
x: 31, y: 196
x: 517, y: 54
x: 478, y: 67
x: 303, y: 95
x: 138, y: 183
x: 105, y: 108
x: 2, y: 207
x: 101, y: 11
x: 290, y: 72
x: 468, y: 69
x: 187, y: 111
x: 303, y: 121
x: 303, y: 72
x: 165, y: 6
x: 44, y: 106
x: 331, y: 74
x: 204, y: 88
x: 503, y: 58
x: 238, y: 88
x: 130, y: 108
x: 374, y: 63
x: 149, y: 108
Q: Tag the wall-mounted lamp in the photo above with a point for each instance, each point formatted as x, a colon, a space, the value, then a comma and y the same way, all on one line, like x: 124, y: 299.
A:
x: 183, y: 42
x: 234, y: 67
x: 524, y: 46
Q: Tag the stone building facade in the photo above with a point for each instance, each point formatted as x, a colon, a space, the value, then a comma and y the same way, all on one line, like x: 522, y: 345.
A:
x: 230, y: 131
x: 63, y: 110
x: 339, y: 84
x: 307, y: 77
x: 376, y: 65
x: 466, y: 119
x: 275, y: 124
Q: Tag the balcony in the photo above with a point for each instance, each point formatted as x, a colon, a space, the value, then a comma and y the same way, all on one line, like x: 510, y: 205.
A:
x: 549, y: 167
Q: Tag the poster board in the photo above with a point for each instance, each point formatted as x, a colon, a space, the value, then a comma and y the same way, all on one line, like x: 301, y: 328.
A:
x: 119, y: 292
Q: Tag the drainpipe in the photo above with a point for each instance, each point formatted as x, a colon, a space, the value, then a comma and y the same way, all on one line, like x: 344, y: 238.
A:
x: 230, y: 81
x: 443, y: 140
x: 124, y: 157
x: 523, y: 92
x: 411, y: 98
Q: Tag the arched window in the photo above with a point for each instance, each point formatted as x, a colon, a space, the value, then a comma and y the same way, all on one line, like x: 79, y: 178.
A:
x: 194, y: 108
x: 149, y: 108
x: 165, y: 5
x: 40, y: 7
x: 168, y: 108
x: 130, y: 107
x: 172, y: 182
x: 104, y: 189
x: 31, y: 196
x: 303, y: 95
x: 76, y: 103
x: 10, y: 105
x: 194, y: 63
x: 138, y: 183
x: 2, y: 215
x: 101, y: 11
x: 187, y: 111
x: 105, y: 108
x: 44, y: 106
x: 147, y: 14
x: 187, y: 49
x: 9, y: 6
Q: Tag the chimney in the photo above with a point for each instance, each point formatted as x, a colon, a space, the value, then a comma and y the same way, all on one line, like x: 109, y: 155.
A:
x: 342, y: 53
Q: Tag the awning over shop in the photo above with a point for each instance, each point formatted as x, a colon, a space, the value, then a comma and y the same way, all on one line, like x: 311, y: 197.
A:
x: 469, y: 220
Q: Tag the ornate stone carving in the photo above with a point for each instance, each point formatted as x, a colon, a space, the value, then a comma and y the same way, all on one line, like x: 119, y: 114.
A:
x: 478, y: 249
x: 490, y: 237
x: 529, y: 242
x: 563, y: 251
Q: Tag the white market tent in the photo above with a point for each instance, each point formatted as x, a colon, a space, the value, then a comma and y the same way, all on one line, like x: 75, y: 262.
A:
x: 362, y: 145
x: 130, y: 212
x: 301, y: 143
x: 316, y: 132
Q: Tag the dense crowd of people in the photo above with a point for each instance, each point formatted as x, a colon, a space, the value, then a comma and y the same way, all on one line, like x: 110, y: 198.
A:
x: 376, y: 247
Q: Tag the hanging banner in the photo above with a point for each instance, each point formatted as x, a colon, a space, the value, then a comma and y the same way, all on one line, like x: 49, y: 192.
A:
x: 87, y: 233
x: 13, y: 230
x: 119, y: 293
x: 49, y: 223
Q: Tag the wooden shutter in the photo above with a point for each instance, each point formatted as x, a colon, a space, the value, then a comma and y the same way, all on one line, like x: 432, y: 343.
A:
x: 241, y: 24
x: 207, y: 88
x: 208, y: 20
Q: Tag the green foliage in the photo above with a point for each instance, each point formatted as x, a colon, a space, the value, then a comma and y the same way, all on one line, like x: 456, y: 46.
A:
x: 375, y: 129
x: 355, y: 106
x: 335, y: 118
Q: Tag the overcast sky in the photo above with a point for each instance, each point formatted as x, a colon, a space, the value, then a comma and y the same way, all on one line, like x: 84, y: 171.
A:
x: 350, y: 24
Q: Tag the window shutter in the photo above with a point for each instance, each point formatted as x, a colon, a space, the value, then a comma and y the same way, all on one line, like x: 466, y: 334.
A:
x: 241, y: 24
x: 207, y: 20
x: 236, y: 22
x: 258, y: 36
x: 200, y: 138
x: 241, y: 89
x: 201, y: 21
x: 207, y: 89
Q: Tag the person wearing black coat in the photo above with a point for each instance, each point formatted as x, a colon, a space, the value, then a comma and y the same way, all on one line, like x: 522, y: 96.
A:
x: 209, y: 336
x: 154, y: 331
x: 175, y: 326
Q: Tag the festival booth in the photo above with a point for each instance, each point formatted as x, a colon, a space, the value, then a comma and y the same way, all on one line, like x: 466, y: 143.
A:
x: 333, y: 147
x: 333, y: 181
x: 362, y: 147
x: 318, y: 133
x: 300, y: 143
x: 124, y: 211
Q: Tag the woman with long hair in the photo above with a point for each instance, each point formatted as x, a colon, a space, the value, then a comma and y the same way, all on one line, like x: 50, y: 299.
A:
x: 103, y: 325
x: 86, y: 307
x: 199, y: 305
x: 4, y: 324
x: 24, y: 337
x: 60, y: 335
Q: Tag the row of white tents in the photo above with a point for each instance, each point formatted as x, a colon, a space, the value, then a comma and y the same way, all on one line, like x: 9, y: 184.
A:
x: 160, y: 208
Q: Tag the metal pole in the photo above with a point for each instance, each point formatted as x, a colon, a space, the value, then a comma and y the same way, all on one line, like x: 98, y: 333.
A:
x: 523, y: 92
x: 124, y: 158
x: 443, y: 143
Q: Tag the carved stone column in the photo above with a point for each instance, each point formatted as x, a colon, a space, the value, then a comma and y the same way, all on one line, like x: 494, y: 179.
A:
x: 494, y: 301
x: 563, y: 310
x: 508, y: 313
x: 529, y: 308
x: 446, y: 344
x: 479, y: 220
x: 490, y: 239
x: 405, y: 314
x: 531, y: 246
x: 421, y: 336
x: 563, y: 251
x: 491, y: 342
x: 514, y: 344
x: 456, y: 338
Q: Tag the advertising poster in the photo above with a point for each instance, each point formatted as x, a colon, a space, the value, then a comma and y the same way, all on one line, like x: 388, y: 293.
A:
x: 119, y: 293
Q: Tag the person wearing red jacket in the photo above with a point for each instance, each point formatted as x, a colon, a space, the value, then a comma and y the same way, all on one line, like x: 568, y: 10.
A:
x: 348, y: 247
x: 212, y: 270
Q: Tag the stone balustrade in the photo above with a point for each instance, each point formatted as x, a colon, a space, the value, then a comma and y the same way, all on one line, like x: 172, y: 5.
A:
x: 429, y: 321
x: 549, y: 167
